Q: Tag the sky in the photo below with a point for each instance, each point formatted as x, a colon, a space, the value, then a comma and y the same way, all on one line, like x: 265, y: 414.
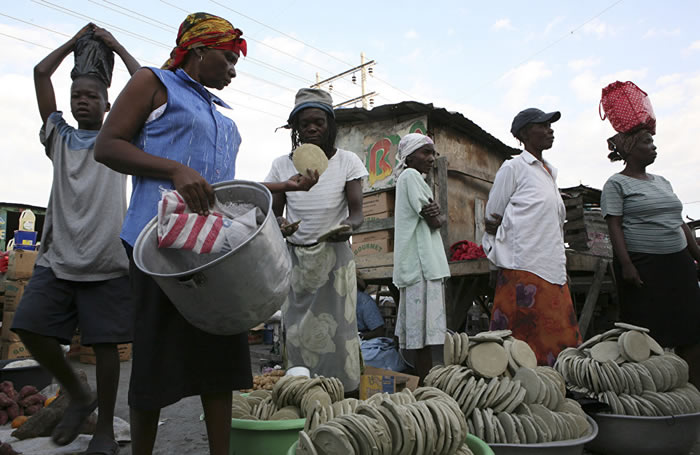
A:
x: 486, y: 60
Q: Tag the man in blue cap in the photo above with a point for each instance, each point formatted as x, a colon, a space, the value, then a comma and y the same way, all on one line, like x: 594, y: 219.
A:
x: 526, y: 246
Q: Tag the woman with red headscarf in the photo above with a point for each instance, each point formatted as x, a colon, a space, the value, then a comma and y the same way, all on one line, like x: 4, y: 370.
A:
x: 166, y: 130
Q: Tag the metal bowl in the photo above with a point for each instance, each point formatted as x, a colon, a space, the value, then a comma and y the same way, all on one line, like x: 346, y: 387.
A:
x: 624, y: 435
x: 568, y: 447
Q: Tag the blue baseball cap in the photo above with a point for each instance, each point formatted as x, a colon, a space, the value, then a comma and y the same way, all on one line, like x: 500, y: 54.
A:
x: 532, y: 115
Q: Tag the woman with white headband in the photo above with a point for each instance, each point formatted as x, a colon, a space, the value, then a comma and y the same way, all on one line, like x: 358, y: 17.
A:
x: 420, y: 264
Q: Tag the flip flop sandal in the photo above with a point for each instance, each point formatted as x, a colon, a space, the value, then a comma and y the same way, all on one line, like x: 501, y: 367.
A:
x: 102, y: 446
x: 71, y: 422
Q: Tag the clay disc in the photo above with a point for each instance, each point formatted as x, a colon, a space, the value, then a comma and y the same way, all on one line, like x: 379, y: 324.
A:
x: 333, y: 231
x: 636, y: 346
x: 523, y: 354
x: 605, y: 350
x: 488, y: 359
x: 309, y: 156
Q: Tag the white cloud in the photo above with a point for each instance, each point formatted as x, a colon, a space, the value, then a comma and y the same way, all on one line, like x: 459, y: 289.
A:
x: 411, y: 34
x: 553, y: 23
x: 599, y: 29
x: 520, y: 82
x: 669, y: 79
x: 694, y: 46
x: 657, y: 32
x: 502, y: 24
x: 581, y: 64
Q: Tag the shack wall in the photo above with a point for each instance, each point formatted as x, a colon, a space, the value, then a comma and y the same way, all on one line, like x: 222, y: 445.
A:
x: 471, y: 170
x: 376, y: 143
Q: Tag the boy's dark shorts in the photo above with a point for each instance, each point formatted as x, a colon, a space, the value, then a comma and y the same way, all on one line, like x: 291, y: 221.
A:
x: 54, y: 307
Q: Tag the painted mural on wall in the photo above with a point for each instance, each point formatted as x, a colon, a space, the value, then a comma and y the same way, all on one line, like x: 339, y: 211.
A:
x: 377, y: 145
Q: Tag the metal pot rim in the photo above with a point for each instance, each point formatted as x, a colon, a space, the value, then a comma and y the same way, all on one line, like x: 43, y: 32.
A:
x: 217, y: 186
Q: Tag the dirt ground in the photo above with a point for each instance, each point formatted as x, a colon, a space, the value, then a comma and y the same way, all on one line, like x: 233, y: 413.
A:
x: 181, y: 431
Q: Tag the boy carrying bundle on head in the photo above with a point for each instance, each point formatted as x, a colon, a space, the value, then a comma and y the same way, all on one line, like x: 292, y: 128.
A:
x: 80, y: 278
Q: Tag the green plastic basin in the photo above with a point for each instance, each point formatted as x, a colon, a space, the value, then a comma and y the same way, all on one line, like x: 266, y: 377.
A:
x: 271, y: 437
x: 475, y: 444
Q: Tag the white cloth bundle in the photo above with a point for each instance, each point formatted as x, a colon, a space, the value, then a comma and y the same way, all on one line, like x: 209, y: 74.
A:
x: 226, y: 226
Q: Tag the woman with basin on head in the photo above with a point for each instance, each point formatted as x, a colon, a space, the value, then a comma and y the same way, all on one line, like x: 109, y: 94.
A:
x: 320, y: 314
x: 166, y: 130
x: 524, y: 240
x: 654, y: 250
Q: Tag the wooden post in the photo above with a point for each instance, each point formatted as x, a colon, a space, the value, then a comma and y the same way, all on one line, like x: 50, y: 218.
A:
x: 592, y: 296
x: 441, y: 196
x: 479, y: 219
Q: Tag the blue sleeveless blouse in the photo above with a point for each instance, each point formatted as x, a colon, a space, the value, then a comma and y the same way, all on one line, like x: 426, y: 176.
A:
x: 191, y: 131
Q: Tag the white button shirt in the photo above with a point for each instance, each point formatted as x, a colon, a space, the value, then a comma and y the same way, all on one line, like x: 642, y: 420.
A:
x: 531, y: 235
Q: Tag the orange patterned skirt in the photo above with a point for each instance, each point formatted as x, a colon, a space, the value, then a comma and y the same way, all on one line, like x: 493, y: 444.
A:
x: 537, y: 312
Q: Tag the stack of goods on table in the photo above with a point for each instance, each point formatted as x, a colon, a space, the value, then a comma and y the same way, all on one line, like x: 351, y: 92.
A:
x: 266, y: 381
x: 627, y: 369
x: 20, y: 268
x: 427, y: 421
x: 505, y: 397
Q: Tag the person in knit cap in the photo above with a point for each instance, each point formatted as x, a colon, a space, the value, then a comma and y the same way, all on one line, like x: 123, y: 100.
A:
x: 655, y: 252
x: 420, y: 264
x: 320, y: 314
x: 80, y: 279
x: 166, y: 130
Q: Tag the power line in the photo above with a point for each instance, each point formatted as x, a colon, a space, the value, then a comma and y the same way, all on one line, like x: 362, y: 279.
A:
x: 25, y: 41
x: 227, y: 102
x: 566, y: 35
x: 70, y: 12
x: 280, y: 32
x: 38, y: 26
x: 138, y: 18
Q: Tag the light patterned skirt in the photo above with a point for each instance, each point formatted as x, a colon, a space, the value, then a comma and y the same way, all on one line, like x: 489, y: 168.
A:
x: 421, y: 320
x: 320, y: 316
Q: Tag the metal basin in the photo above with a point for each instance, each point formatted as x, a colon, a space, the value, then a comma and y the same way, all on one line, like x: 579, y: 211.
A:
x: 223, y: 293
x: 624, y: 435
x: 567, y: 447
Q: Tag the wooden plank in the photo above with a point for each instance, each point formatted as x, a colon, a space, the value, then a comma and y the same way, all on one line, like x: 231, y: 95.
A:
x: 375, y: 260
x: 461, y: 168
x: 441, y: 183
x: 581, y: 262
x: 479, y: 216
x: 473, y: 267
x: 375, y: 225
x: 592, y: 296
x: 573, y: 202
x: 377, y: 274
x: 575, y: 224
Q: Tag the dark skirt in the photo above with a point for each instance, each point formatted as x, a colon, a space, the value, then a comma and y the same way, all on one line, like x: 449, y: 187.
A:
x: 172, y: 359
x: 668, y: 303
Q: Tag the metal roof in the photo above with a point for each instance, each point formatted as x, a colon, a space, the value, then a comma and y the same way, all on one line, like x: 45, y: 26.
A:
x: 442, y: 116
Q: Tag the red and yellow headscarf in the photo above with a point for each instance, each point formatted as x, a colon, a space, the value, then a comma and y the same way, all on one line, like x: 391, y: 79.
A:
x: 205, y: 30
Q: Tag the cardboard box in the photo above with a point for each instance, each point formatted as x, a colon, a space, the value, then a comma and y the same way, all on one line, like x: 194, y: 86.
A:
x: 379, y: 216
x: 25, y: 240
x: 7, y: 334
x: 21, y: 264
x: 376, y: 380
x: 373, y: 247
x: 386, y: 234
x: 14, y: 290
x: 14, y: 350
x: 87, y: 354
x: 378, y: 203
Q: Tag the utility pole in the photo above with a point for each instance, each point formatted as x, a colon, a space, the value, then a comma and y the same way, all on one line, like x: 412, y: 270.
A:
x: 364, y: 68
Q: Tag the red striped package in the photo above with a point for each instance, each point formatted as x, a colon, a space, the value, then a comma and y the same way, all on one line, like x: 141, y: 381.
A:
x: 627, y: 107
x: 178, y: 227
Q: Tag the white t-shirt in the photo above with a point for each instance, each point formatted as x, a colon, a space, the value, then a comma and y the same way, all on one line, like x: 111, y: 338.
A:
x: 324, y: 206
